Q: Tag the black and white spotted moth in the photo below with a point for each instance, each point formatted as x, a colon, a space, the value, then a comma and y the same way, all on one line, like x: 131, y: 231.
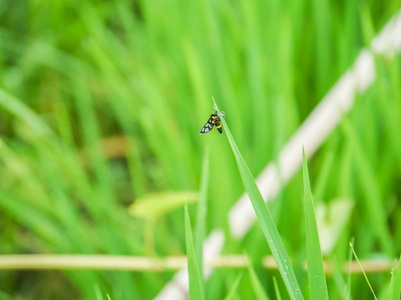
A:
x: 214, y: 120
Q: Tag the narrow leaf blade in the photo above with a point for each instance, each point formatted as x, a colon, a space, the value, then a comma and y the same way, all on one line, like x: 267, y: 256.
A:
x: 256, y: 284
x: 397, y: 283
x: 201, y: 215
x: 316, y: 275
x: 276, y: 289
x: 195, y: 286
x: 233, y: 290
x: 265, y: 220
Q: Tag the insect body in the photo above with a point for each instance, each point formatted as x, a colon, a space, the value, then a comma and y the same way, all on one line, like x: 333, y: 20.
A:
x: 214, y: 120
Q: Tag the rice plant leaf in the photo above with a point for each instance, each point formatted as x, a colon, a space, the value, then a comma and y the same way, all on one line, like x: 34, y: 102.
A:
x: 376, y: 212
x: 396, y: 286
x: 347, y: 294
x: 98, y: 293
x: 154, y: 205
x: 256, y: 284
x: 233, y: 290
x: 23, y: 112
x: 196, y: 291
x: 363, y: 271
x: 316, y: 275
x: 276, y: 289
x: 265, y: 219
x: 391, y: 286
x: 201, y: 215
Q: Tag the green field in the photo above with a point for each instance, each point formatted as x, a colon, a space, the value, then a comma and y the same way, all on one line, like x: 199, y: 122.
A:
x: 101, y: 106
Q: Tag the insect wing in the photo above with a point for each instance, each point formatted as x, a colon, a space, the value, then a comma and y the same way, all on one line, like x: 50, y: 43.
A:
x: 219, y: 128
x: 217, y: 121
x: 208, y: 126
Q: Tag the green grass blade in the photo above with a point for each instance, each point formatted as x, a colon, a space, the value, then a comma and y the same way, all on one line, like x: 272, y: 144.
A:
x: 201, y: 215
x: 98, y: 293
x: 155, y: 205
x: 347, y: 294
x: 196, y: 291
x: 256, y: 284
x: 316, y: 276
x: 276, y: 289
x: 377, y: 215
x: 265, y: 220
x: 396, y: 287
x: 233, y: 290
x: 22, y: 111
x: 390, y: 291
x: 363, y: 271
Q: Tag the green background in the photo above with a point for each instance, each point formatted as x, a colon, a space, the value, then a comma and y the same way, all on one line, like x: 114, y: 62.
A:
x: 102, y: 103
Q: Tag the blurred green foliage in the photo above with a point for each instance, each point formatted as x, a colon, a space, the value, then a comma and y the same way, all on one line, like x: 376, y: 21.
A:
x: 102, y: 102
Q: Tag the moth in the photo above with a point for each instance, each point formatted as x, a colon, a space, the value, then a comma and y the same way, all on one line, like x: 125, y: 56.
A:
x: 214, y: 120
